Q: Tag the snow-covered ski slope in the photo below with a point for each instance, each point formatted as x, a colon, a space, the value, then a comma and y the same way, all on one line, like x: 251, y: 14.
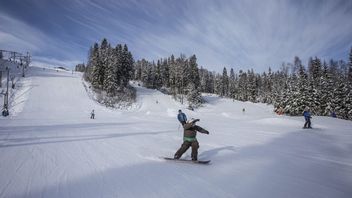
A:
x: 50, y: 148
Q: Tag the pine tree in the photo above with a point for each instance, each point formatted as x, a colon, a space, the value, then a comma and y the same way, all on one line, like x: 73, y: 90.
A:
x: 104, y: 58
x: 194, y: 96
x: 174, y: 73
x: 165, y: 73
x: 348, y: 100
x: 193, y: 82
x: 225, y: 83
x: 349, y: 78
x: 300, y: 95
x: 252, y: 86
x: 193, y: 76
x: 95, y: 63
x: 326, y: 90
x: 158, y: 83
x: 243, y: 86
x: 126, y: 66
x: 111, y: 80
x: 211, y: 83
x: 232, y: 84
x: 147, y: 74
x: 204, y: 77
x: 138, y: 70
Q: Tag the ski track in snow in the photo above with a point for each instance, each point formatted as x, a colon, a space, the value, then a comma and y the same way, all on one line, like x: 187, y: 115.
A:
x: 50, y: 148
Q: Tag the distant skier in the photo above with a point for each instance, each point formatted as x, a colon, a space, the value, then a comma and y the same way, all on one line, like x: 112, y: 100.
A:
x: 307, y: 117
x: 92, y: 114
x: 182, y: 117
x: 333, y: 114
x: 190, y: 140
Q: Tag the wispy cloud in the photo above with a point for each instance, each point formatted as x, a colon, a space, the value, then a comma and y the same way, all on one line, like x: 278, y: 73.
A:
x: 241, y: 34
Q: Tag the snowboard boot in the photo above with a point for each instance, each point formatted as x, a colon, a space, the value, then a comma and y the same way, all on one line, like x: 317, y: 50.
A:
x: 176, y: 157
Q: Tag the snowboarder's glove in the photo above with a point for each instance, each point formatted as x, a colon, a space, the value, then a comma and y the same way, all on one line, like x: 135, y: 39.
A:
x: 207, y: 132
x: 196, y: 120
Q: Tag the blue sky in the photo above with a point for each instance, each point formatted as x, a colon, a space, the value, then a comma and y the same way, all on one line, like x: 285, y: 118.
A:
x: 241, y: 34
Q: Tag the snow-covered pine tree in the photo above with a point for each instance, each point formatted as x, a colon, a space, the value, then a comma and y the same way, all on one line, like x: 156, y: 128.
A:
x: 252, y: 86
x: 193, y: 72
x: 174, y: 75
x: 218, y: 84
x: 126, y: 66
x: 111, y: 80
x: 182, y: 74
x: 315, y: 82
x: 158, y: 82
x: 225, y: 83
x: 338, y: 100
x: 211, y: 82
x: 137, y: 70
x: 325, y: 91
x: 165, y: 73
x: 103, y: 56
x: 348, y: 100
x: 302, y: 94
x: 194, y: 96
x: 232, y: 84
x: 242, y: 86
x: 95, y: 63
x: 204, y: 77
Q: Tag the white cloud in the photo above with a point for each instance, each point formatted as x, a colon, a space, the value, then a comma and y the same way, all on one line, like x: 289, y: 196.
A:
x: 242, y: 34
x: 258, y: 34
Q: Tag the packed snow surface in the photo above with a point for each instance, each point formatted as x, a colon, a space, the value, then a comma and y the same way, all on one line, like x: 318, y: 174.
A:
x: 50, y: 148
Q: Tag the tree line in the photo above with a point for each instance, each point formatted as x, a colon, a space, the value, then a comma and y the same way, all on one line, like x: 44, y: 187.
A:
x: 324, y: 87
x: 176, y: 76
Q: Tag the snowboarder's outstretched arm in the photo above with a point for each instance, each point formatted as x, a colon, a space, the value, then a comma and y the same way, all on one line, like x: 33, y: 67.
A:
x: 201, y: 130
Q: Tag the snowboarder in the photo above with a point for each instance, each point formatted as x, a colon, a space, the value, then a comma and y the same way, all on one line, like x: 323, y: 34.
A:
x: 333, y: 114
x: 190, y: 140
x: 181, y: 117
x: 92, y: 114
x: 307, y: 117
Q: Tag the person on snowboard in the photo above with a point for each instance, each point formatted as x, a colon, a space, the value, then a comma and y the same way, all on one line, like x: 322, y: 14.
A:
x: 307, y: 117
x: 181, y: 117
x: 190, y: 140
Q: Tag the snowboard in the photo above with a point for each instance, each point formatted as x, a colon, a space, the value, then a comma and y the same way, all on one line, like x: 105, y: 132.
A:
x: 187, y: 161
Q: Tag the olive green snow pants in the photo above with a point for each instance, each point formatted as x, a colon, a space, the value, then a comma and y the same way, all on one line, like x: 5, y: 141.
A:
x: 184, y: 148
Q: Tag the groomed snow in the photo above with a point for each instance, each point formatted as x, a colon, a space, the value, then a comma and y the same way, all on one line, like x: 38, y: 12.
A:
x: 50, y: 148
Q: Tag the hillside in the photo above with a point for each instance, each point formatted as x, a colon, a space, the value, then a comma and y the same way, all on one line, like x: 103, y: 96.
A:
x: 50, y: 148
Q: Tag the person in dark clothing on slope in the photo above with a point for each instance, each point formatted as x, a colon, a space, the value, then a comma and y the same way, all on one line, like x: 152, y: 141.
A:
x: 190, y: 140
x: 92, y: 114
x: 181, y: 117
x: 307, y: 117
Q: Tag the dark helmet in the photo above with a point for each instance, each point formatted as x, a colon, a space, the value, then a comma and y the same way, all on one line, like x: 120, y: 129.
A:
x: 180, y: 111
